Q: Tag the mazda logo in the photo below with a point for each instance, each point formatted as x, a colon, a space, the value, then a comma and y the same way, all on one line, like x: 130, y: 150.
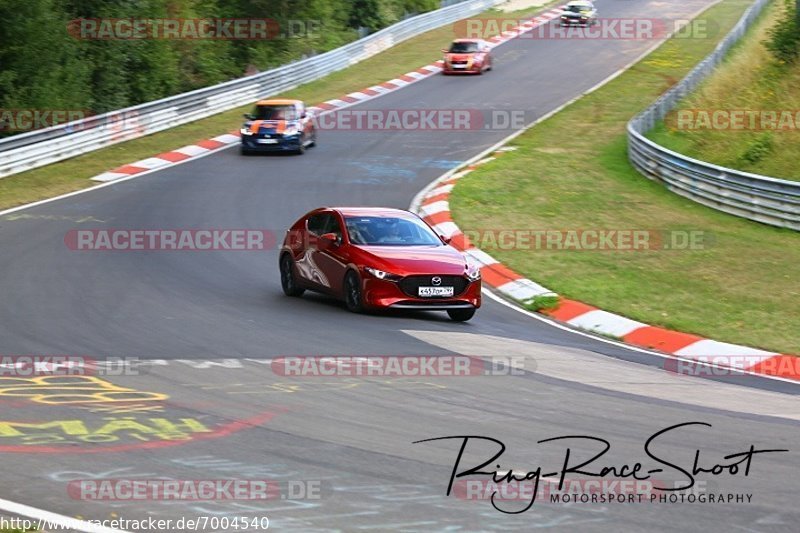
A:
x: 436, y: 280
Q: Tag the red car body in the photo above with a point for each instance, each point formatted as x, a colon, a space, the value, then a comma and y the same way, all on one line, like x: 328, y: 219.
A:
x: 378, y: 258
x: 467, y: 56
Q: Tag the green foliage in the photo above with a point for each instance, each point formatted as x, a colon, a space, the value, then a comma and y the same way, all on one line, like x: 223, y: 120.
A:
x: 44, y: 66
x: 784, y: 38
x: 758, y: 149
x: 419, y: 6
x: 539, y: 303
x: 39, y: 66
x: 367, y: 14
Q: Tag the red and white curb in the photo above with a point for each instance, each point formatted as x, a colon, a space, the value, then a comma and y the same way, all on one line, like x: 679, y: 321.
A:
x: 221, y: 142
x: 432, y: 205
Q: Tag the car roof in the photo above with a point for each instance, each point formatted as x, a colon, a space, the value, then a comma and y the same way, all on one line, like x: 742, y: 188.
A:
x: 467, y: 40
x: 279, y: 101
x: 373, y: 212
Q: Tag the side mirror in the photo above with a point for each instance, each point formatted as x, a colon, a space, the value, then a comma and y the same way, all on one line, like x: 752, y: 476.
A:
x: 249, y: 116
x: 329, y: 240
x: 446, y: 240
x: 445, y: 50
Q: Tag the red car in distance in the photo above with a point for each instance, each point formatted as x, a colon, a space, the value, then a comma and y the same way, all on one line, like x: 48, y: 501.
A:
x: 378, y: 258
x: 467, y: 56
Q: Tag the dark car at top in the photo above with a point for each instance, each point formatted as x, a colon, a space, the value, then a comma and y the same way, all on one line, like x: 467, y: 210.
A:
x: 278, y: 126
x: 378, y: 258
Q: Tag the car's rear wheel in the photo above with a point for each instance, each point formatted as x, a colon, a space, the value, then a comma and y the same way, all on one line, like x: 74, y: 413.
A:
x: 288, y: 283
x: 461, y: 315
x: 352, y: 293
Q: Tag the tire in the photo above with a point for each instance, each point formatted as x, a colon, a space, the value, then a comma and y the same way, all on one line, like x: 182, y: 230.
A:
x: 288, y: 283
x: 461, y: 315
x: 352, y: 293
x: 244, y: 151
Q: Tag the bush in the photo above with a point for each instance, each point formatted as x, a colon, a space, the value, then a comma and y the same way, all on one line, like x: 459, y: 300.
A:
x: 784, y: 38
x: 758, y: 149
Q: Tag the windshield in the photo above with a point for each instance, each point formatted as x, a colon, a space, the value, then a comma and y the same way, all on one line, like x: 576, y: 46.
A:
x: 390, y: 232
x: 577, y: 8
x: 274, y: 112
x: 463, y: 48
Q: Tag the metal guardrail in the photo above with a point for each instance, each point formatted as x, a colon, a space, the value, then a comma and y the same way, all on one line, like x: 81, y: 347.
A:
x: 761, y: 198
x: 42, y: 147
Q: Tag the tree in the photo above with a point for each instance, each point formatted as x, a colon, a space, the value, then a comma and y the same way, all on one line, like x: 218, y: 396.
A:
x: 366, y: 14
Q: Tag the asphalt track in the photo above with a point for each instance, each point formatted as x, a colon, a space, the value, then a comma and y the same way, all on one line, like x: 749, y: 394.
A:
x: 182, y: 308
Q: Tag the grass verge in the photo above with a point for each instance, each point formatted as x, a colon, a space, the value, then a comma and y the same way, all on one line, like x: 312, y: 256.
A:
x: 73, y: 174
x: 571, y: 172
x: 750, y: 79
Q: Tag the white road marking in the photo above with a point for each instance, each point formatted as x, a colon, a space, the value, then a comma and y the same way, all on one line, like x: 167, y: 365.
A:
x: 608, y: 373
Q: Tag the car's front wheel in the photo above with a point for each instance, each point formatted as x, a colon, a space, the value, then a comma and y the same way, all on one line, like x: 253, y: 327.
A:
x: 352, y: 293
x: 288, y: 283
x: 461, y: 315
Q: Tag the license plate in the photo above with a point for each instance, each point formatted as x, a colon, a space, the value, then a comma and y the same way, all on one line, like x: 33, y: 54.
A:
x: 268, y: 141
x: 435, y: 291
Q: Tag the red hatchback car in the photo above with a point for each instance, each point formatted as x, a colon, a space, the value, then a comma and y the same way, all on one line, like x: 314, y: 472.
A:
x: 467, y: 56
x: 378, y: 258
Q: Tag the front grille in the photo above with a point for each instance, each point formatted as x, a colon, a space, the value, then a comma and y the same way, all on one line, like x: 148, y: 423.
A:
x: 411, y: 284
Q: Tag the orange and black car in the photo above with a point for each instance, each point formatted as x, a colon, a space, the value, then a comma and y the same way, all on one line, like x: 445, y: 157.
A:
x: 278, y: 126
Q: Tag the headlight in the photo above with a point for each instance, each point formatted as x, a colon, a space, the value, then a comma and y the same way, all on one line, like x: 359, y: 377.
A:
x: 291, y: 131
x: 472, y: 270
x: 245, y: 131
x: 380, y: 274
